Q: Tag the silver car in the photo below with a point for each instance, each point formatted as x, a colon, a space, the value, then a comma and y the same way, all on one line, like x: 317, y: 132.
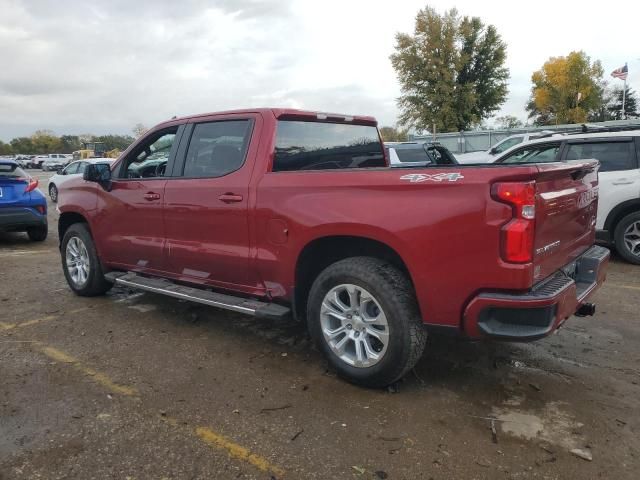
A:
x: 73, y: 170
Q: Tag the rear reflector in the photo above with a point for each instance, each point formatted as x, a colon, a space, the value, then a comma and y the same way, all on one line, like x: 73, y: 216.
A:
x: 518, y: 234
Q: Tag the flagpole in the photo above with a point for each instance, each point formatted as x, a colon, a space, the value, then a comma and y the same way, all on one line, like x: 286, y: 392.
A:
x: 624, y: 94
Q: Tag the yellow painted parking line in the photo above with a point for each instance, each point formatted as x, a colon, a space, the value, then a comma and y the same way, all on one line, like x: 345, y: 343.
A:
x: 17, y: 253
x: 98, y: 377
x: 236, y: 451
x: 10, y: 326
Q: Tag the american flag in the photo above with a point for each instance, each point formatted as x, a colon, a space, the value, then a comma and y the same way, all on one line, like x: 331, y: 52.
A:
x: 621, y: 72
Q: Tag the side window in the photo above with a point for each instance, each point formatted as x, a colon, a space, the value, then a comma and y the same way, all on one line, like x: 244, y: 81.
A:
x: 533, y: 154
x: 507, y: 144
x: 81, y: 167
x: 612, y: 155
x: 149, y: 159
x: 321, y: 146
x: 217, y: 148
x: 72, y: 168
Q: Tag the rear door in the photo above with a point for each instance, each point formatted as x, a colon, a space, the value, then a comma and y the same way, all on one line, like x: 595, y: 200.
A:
x: 566, y: 205
x: 206, y: 202
x: 130, y: 223
x: 619, y: 176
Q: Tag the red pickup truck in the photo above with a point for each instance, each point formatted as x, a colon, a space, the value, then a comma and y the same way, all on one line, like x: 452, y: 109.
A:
x: 278, y: 212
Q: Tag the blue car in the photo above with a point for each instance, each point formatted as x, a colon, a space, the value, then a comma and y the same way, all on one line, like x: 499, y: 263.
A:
x: 23, y: 208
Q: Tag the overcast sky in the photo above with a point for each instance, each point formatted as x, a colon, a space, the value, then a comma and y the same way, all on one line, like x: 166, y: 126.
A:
x: 78, y: 66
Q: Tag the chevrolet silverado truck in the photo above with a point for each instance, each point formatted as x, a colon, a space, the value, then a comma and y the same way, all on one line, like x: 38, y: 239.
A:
x: 280, y: 212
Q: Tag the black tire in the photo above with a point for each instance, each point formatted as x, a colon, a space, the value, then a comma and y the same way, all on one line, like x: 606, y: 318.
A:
x: 38, y: 234
x: 53, y: 193
x: 95, y: 283
x: 619, y: 238
x: 394, y: 294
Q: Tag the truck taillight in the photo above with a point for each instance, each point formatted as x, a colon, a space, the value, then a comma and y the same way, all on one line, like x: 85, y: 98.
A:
x: 518, y: 234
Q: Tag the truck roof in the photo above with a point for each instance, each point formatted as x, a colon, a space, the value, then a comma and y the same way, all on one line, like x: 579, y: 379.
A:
x: 290, y: 114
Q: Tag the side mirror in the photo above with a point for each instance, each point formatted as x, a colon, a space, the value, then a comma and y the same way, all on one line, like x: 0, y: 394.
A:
x: 493, y: 150
x: 99, y: 173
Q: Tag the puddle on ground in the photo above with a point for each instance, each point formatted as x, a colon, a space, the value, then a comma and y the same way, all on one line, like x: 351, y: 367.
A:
x: 552, y: 425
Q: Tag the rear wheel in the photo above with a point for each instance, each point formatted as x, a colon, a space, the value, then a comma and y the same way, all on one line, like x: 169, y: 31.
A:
x: 364, y: 317
x: 80, y: 262
x: 53, y: 193
x: 38, y: 234
x: 627, y: 237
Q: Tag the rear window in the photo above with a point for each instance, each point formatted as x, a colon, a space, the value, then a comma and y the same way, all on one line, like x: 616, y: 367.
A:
x: 415, y: 154
x: 11, y: 170
x: 326, y: 146
x: 612, y: 155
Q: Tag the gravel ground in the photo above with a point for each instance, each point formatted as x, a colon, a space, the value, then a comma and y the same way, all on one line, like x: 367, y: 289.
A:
x: 138, y: 386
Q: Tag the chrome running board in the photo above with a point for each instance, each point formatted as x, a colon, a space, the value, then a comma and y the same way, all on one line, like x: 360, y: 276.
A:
x: 228, y: 302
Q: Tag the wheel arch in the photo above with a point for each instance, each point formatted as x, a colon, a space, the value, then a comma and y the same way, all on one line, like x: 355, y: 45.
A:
x: 321, y: 252
x: 67, y: 219
x: 618, y: 213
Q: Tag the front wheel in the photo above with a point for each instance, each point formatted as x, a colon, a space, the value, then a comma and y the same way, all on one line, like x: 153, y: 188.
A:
x: 364, y: 317
x: 53, y: 193
x: 627, y: 238
x: 80, y: 262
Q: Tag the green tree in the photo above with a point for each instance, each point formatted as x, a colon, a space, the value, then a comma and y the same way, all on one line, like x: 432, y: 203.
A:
x: 70, y: 143
x: 45, y: 141
x: 451, y: 71
x: 22, y: 145
x: 121, y: 142
x: 630, y: 103
x: 5, y: 148
x: 393, y: 134
x: 508, y: 121
x: 566, y: 90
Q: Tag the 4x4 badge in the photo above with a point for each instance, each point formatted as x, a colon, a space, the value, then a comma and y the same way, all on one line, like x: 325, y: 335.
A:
x: 437, y: 177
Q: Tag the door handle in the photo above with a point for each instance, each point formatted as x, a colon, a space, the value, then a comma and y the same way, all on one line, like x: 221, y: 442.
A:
x: 151, y: 196
x: 230, y: 198
x: 623, y: 181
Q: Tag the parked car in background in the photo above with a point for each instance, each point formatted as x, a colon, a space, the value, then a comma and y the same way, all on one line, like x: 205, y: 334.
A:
x: 278, y: 212
x: 37, y: 161
x: 490, y: 155
x: 23, y: 207
x: 418, y: 154
x: 618, y: 222
x: 73, y: 170
x: 56, y: 163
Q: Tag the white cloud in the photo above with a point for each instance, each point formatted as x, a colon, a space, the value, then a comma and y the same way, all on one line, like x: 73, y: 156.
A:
x: 103, y: 66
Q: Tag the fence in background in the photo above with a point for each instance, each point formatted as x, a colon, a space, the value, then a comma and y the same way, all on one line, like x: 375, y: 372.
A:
x: 475, y: 140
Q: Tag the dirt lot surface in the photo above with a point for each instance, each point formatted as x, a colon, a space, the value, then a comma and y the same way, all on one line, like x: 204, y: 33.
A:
x: 138, y: 386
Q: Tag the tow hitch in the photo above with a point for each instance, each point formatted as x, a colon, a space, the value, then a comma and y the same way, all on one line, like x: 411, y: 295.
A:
x: 586, y: 309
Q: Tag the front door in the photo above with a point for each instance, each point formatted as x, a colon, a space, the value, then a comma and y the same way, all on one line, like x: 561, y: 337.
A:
x: 130, y: 222
x: 206, y: 203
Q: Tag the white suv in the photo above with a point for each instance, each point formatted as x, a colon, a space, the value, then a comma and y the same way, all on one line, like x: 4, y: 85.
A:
x: 486, y: 156
x: 618, y: 222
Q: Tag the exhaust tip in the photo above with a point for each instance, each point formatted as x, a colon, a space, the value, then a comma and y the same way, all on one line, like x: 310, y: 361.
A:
x: 586, y: 309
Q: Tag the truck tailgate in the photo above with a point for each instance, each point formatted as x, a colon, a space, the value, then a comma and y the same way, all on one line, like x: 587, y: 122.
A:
x: 566, y: 206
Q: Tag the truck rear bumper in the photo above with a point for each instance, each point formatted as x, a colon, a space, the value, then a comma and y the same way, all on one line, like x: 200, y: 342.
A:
x: 539, y: 312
